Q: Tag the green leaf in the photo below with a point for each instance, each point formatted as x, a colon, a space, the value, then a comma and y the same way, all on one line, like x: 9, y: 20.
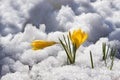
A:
x: 65, y: 40
x: 112, y: 56
x: 107, y: 52
x: 69, y: 45
x: 69, y: 57
x: 104, y: 50
x: 91, y: 59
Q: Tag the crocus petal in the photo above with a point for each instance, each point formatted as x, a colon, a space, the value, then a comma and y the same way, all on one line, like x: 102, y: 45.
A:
x: 40, y: 44
x: 35, y: 48
x: 85, y: 36
x: 78, y: 37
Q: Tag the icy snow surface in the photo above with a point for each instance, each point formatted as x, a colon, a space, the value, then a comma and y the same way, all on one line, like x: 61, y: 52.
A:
x: 22, y: 21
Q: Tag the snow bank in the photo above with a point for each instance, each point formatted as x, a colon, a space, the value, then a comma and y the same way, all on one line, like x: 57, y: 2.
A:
x: 21, y: 22
x: 50, y: 63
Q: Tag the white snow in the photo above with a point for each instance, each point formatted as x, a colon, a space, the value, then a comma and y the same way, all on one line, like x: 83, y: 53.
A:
x: 22, y: 21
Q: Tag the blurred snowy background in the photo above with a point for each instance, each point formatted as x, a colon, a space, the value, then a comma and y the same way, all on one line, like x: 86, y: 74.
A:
x: 22, y: 21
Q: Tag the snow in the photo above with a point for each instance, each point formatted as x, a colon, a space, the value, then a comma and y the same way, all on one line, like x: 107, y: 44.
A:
x: 114, y: 35
x: 23, y: 21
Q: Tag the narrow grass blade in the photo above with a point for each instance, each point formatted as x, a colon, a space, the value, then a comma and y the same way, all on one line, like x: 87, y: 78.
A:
x: 74, y: 52
x: 69, y: 45
x: 104, y: 50
x: 91, y: 59
x: 65, y: 40
x: 113, y: 52
x: 69, y: 57
x: 107, y: 52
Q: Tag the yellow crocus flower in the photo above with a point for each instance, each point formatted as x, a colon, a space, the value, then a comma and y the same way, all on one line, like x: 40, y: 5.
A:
x: 78, y: 37
x: 40, y: 44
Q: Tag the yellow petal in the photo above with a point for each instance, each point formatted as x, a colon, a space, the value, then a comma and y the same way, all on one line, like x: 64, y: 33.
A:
x: 35, y: 48
x: 85, y: 36
x: 78, y: 37
x: 40, y: 44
